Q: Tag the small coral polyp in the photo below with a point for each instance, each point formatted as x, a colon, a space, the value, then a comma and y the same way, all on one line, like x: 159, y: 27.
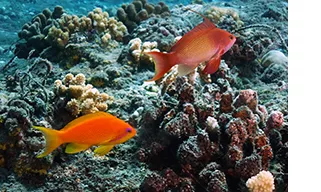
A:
x: 83, y: 98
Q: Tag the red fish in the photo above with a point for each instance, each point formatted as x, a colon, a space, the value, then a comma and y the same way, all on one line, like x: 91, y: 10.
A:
x: 99, y: 128
x: 205, y: 42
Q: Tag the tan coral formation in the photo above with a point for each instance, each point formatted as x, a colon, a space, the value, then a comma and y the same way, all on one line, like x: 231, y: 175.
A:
x: 108, y: 28
x: 137, y: 49
x: 84, y: 98
x: 217, y: 14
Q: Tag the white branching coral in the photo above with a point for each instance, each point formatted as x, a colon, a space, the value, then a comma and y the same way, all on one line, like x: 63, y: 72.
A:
x: 137, y: 48
x: 84, y: 98
x: 262, y: 182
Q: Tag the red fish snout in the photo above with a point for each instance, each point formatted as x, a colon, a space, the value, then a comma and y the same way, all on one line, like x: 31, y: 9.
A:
x: 230, y: 43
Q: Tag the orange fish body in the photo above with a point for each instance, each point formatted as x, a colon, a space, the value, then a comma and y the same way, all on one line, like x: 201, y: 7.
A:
x: 205, y: 42
x: 98, y: 128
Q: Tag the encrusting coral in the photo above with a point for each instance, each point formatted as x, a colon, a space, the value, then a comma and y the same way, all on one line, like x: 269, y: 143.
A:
x: 30, y: 103
x: 84, y: 98
x: 274, y: 57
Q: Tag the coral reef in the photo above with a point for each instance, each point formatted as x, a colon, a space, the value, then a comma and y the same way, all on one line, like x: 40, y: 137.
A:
x: 137, y: 48
x: 224, y: 17
x: 83, y: 98
x: 275, y: 64
x: 134, y: 55
x: 18, y: 142
x: 161, y: 30
x: 274, y: 57
x: 35, y: 32
x: 57, y: 28
x: 238, y: 124
x: 107, y: 28
x: 227, y: 131
x: 139, y: 10
x: 213, y: 177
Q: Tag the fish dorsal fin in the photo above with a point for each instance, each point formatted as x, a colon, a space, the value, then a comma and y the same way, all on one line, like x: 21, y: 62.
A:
x: 202, y: 27
x: 87, y: 117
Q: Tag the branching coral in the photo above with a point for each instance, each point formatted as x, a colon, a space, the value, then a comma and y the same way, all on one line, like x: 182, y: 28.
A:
x: 262, y: 182
x: 84, y: 99
x: 136, y: 53
x: 107, y: 28
x: 57, y: 28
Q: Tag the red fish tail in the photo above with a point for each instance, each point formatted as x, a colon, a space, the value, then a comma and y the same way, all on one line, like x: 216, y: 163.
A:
x: 163, y: 63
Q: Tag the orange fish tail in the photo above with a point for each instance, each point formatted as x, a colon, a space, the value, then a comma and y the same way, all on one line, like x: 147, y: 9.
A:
x: 53, y: 140
x: 163, y: 63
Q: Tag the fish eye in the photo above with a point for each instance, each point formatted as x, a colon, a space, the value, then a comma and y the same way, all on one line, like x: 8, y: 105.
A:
x: 128, y: 130
x: 231, y: 37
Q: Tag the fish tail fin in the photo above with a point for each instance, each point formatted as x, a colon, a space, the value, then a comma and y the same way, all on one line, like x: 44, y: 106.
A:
x: 163, y: 63
x: 53, y: 140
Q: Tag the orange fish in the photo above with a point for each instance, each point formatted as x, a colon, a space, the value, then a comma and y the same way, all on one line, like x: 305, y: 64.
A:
x: 99, y: 128
x: 205, y: 42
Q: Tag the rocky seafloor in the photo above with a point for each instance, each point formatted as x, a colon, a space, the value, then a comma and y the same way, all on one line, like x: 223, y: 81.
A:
x: 194, y: 133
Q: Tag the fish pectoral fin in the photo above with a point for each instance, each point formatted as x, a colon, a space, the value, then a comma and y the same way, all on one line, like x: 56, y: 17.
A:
x: 76, y: 147
x: 185, y: 69
x: 103, y: 149
x: 212, y: 65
